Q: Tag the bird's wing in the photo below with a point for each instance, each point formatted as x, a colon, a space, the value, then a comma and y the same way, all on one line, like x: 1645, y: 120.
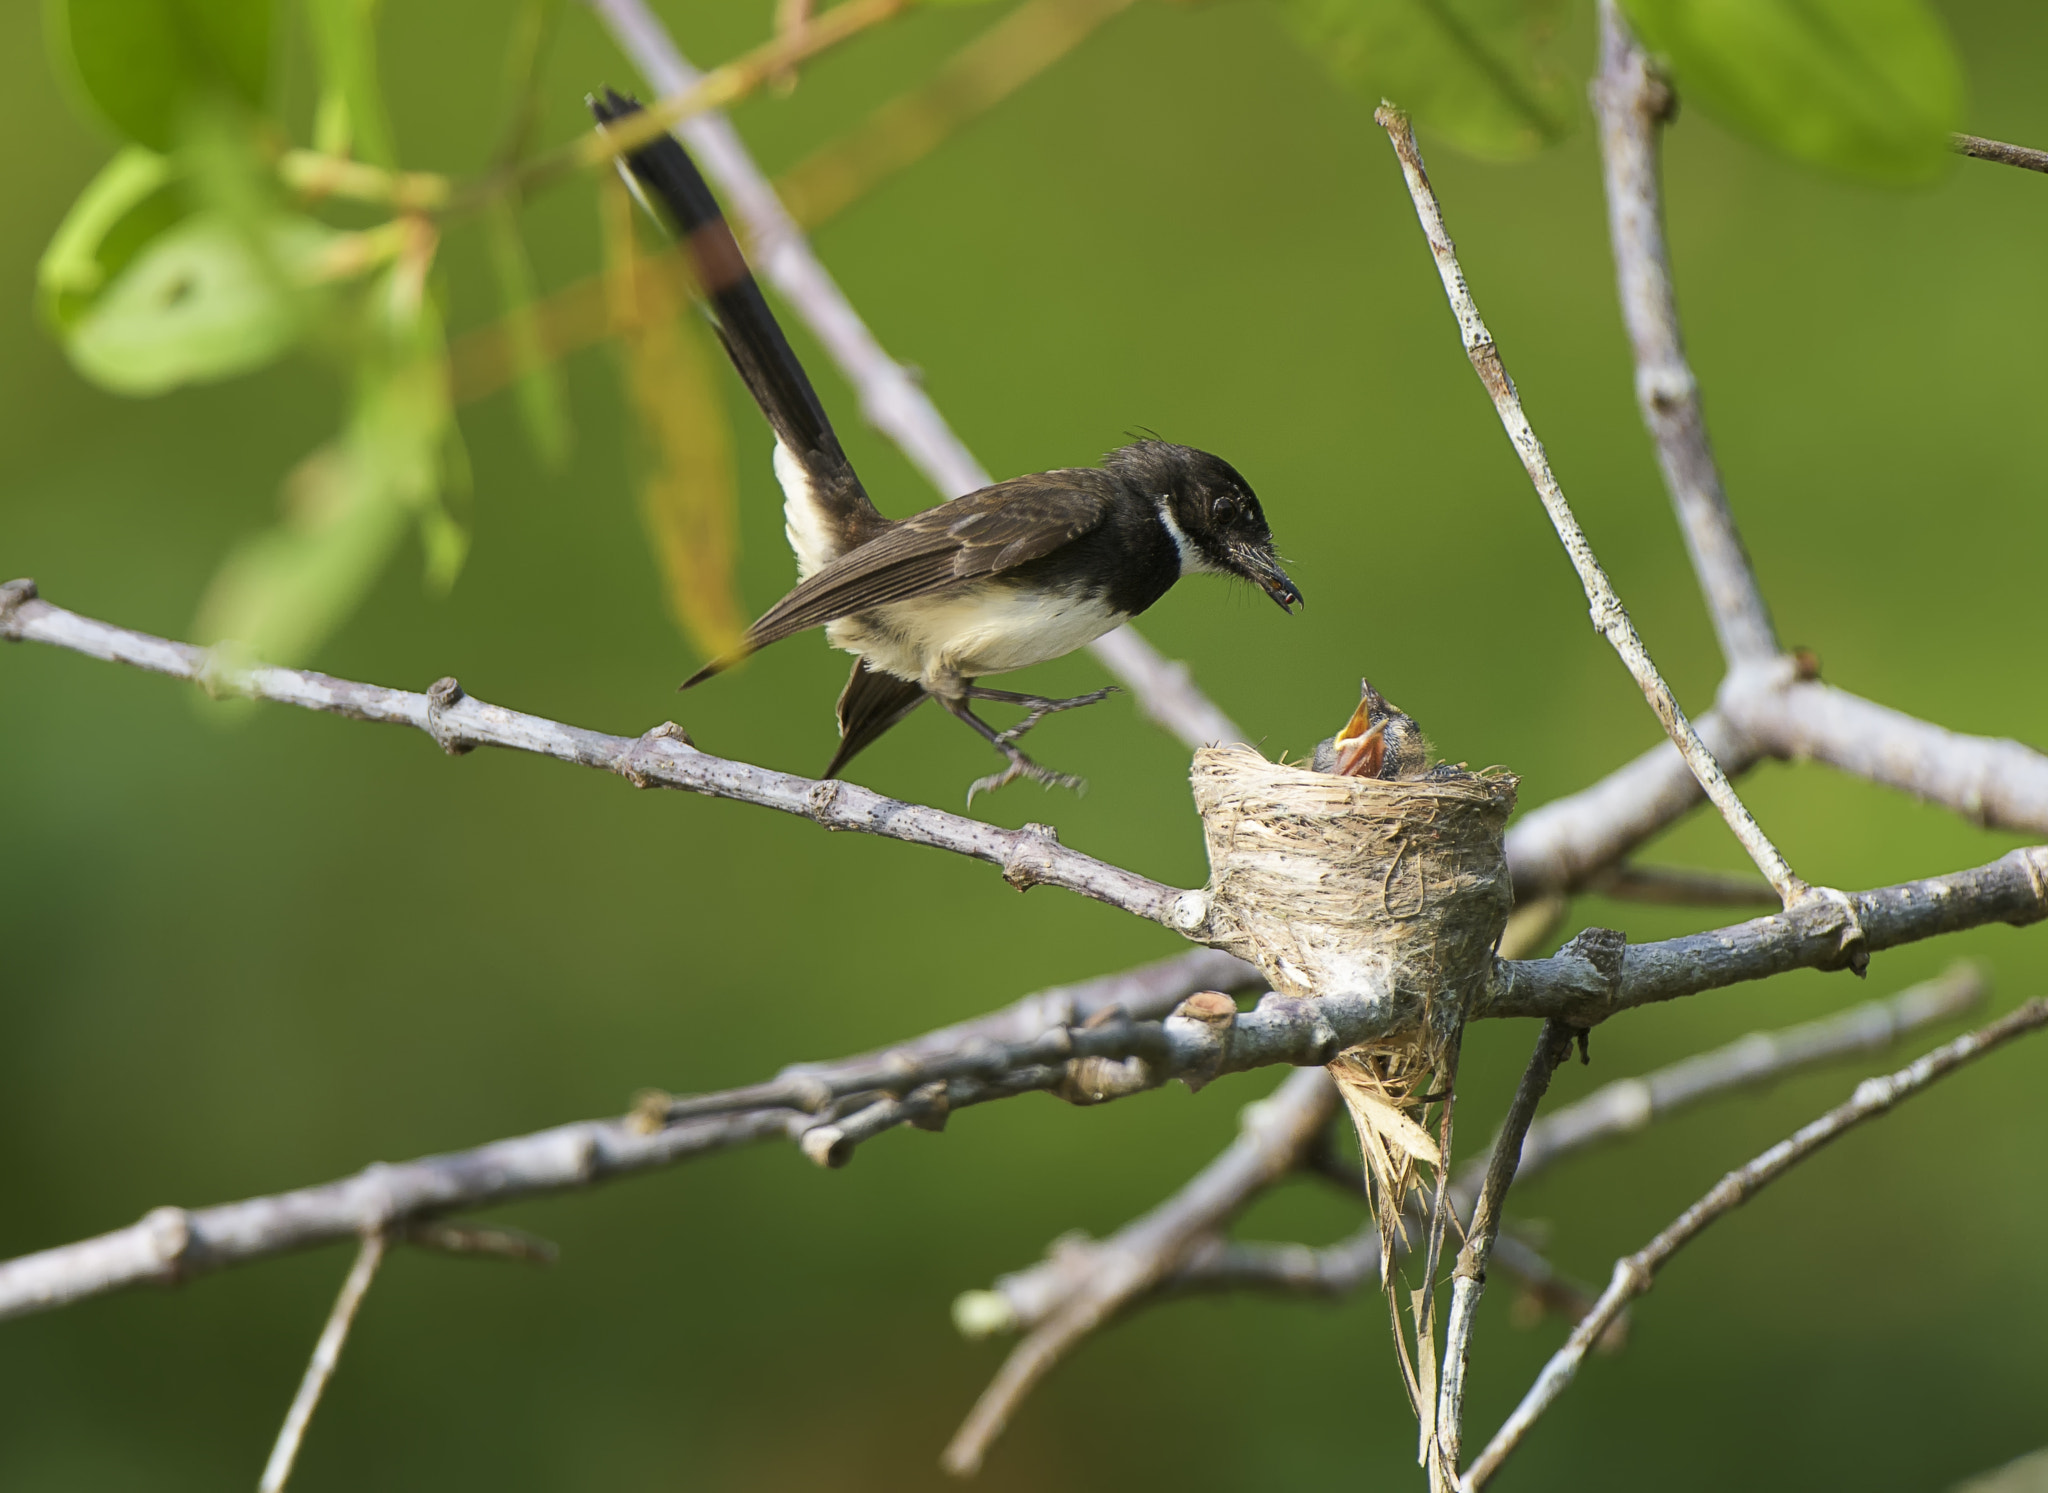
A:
x: 982, y: 534
x: 668, y: 180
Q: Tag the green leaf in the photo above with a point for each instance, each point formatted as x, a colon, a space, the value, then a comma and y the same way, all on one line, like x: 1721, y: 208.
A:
x: 1477, y: 73
x: 543, y: 401
x: 141, y: 62
x: 350, y: 114
x: 281, y: 593
x: 129, y: 204
x: 1869, y: 88
x: 199, y: 304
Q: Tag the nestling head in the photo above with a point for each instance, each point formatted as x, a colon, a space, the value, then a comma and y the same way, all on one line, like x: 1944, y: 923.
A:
x: 1211, y: 512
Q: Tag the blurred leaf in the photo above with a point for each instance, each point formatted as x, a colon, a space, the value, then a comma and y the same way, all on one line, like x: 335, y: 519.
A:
x: 142, y: 61
x: 123, y: 209
x: 543, y: 402
x: 688, y: 498
x: 974, y: 80
x: 1870, y: 88
x: 197, y: 305
x: 281, y: 593
x: 350, y: 116
x: 1475, y: 72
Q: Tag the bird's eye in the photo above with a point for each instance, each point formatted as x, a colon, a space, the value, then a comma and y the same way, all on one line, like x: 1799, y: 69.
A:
x: 1224, y: 509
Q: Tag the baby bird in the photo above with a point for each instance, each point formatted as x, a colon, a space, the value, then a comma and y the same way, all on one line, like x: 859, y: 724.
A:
x: 1377, y: 742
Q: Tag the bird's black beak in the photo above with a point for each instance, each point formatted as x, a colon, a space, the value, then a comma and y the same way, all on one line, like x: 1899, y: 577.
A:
x: 1263, y: 571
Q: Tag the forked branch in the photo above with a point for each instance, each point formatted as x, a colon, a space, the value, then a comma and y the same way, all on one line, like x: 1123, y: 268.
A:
x: 1609, y: 616
x: 1634, y: 1274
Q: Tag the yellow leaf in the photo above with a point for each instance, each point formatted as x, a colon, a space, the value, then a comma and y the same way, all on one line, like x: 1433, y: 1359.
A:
x: 688, y: 497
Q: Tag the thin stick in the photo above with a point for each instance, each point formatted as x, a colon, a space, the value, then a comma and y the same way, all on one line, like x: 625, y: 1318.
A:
x: 2023, y: 156
x: 1609, y: 616
x: 663, y: 757
x: 1632, y: 102
x: 326, y: 1353
x: 1634, y: 1274
x: 1468, y: 1276
x: 892, y: 400
x: 1268, y: 1144
x: 1623, y: 1107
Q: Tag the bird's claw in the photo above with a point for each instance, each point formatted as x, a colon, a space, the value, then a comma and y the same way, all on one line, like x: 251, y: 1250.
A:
x: 1022, y: 766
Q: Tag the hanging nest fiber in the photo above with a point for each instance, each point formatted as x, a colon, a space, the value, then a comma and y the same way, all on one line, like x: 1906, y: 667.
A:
x: 1392, y: 890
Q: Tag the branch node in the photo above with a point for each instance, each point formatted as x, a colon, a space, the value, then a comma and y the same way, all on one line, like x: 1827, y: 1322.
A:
x: 13, y: 596
x: 650, y: 1111
x: 1216, y: 1014
x: 826, y: 1145
x: 1852, y: 948
x: 2035, y: 859
x: 1606, y: 950
x: 627, y: 764
x: 443, y: 696
x: 931, y: 1106
x: 170, y: 1240
x: 822, y: 801
x: 1030, y: 856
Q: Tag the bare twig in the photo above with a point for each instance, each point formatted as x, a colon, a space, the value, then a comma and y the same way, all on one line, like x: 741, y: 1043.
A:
x: 2023, y: 156
x: 1634, y: 1273
x: 1468, y: 1276
x: 891, y: 399
x: 1196, y: 1261
x: 1766, y: 710
x: 1998, y: 783
x: 664, y: 757
x: 1629, y: 1104
x: 1633, y: 102
x: 1270, y: 1140
x: 326, y: 1353
x: 1585, y: 991
x: 1609, y: 616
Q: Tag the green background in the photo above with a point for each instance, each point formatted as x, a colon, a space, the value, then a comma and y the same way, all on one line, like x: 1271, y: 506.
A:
x: 242, y: 955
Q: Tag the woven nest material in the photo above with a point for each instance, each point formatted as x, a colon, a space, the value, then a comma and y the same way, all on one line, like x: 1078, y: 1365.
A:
x: 1336, y: 885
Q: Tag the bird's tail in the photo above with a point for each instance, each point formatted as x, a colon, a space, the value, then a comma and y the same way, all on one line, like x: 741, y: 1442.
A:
x: 665, y: 179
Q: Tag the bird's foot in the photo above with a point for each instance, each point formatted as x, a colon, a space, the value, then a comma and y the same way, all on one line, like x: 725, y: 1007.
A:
x: 1038, y: 707
x: 1022, y: 766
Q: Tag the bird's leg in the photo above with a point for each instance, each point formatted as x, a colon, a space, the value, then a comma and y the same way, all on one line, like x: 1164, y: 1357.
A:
x: 1020, y: 766
x: 1038, y: 705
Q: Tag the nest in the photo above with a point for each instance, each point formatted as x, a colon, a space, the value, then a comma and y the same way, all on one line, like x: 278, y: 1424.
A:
x: 1395, y: 891
x: 1352, y: 886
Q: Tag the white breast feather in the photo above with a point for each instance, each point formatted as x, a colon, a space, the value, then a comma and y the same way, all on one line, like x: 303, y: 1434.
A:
x: 973, y: 632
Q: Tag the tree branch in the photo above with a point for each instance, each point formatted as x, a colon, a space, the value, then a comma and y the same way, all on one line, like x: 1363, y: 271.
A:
x: 1614, y: 1110
x: 664, y: 757
x: 1577, y: 987
x: 326, y: 1354
x: 2023, y: 156
x: 892, y: 401
x: 1634, y: 1274
x: 1268, y: 1144
x: 1609, y: 616
x: 1193, y: 1257
x: 1633, y: 102
x: 1468, y: 1276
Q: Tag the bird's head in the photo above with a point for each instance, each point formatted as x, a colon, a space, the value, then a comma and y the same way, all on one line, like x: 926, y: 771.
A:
x: 1210, y: 510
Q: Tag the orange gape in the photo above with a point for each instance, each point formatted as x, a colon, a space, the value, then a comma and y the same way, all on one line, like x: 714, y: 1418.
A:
x: 1361, y: 748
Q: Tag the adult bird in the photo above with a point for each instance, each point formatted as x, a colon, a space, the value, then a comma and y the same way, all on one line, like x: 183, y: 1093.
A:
x: 1013, y: 575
